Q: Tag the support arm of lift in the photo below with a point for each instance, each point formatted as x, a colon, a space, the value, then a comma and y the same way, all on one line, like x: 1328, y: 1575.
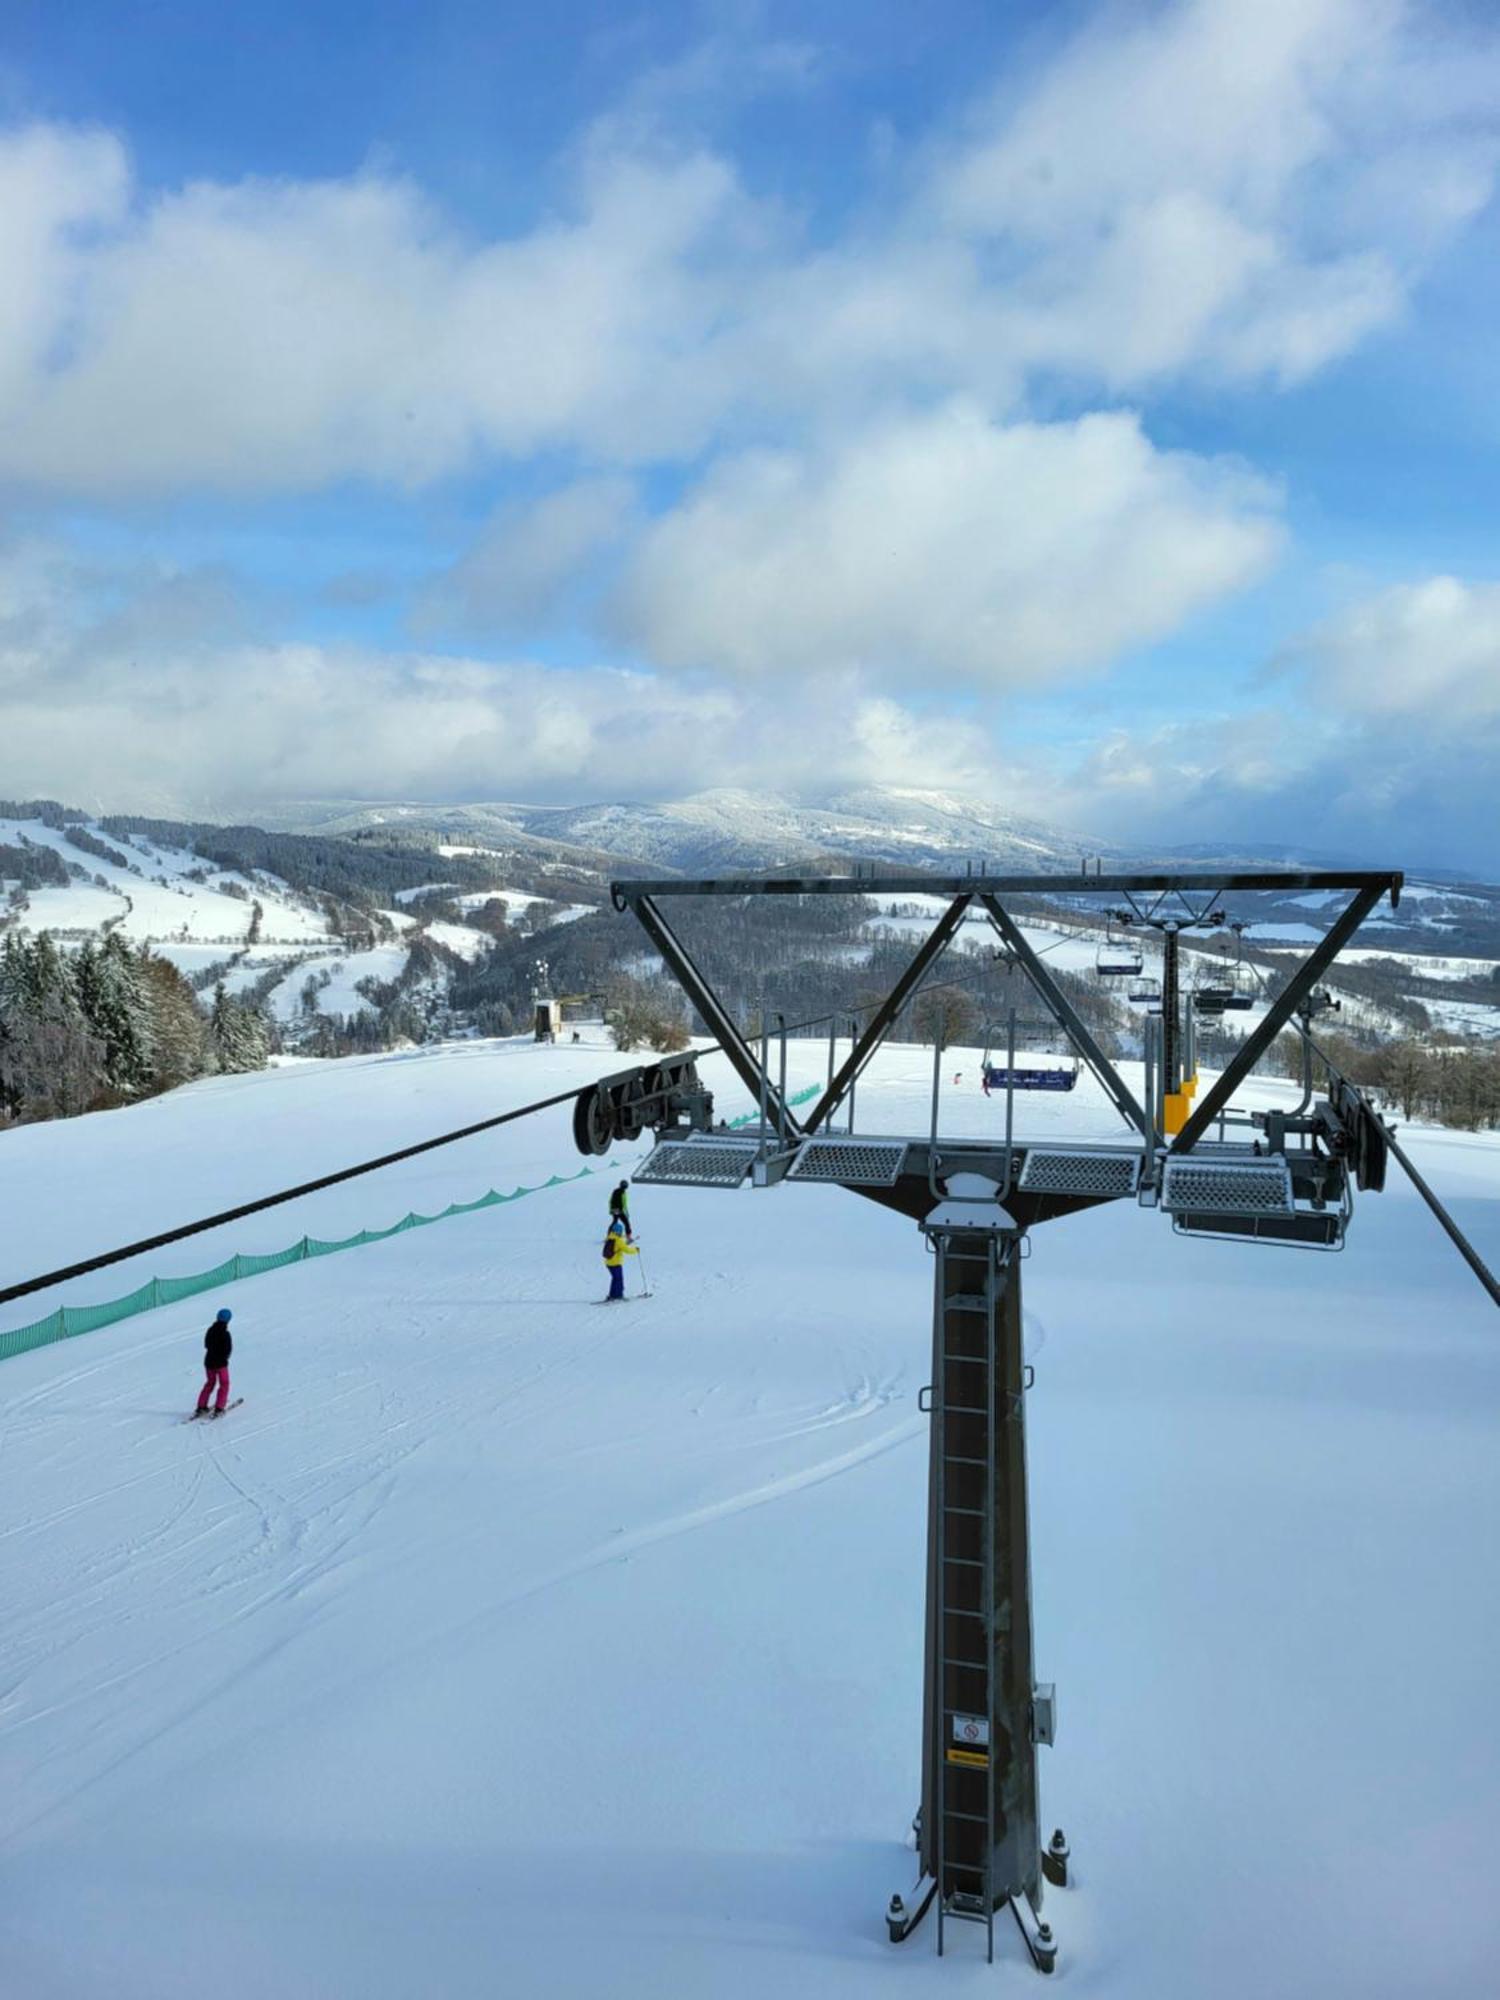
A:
x: 714, y: 1018
x: 886, y: 1012
x: 1277, y: 1015
x: 1110, y: 1081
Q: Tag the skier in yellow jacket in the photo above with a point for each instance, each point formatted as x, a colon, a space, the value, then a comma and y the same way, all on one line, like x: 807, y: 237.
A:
x: 616, y: 1250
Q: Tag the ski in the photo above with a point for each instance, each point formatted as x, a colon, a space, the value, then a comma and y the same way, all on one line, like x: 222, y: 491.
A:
x: 194, y: 1415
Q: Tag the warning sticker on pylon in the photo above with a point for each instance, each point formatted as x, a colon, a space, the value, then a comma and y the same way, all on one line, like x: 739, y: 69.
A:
x: 971, y: 1729
x: 978, y: 1759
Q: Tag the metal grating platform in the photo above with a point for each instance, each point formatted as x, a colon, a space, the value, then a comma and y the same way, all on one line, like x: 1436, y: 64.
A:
x: 1321, y: 1229
x: 1080, y: 1171
x: 850, y: 1162
x: 1227, y: 1187
x: 707, y: 1159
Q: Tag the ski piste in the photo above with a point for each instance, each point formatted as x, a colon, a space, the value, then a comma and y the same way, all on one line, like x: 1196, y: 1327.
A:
x: 194, y: 1415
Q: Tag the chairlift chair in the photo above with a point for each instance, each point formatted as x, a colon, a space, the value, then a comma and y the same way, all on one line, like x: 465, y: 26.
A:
x: 1001, y: 1075
x: 1144, y: 991
x: 1222, y: 986
x: 1118, y: 958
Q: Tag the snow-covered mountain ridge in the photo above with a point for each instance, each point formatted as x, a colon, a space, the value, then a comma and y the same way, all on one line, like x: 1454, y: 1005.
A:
x: 735, y: 828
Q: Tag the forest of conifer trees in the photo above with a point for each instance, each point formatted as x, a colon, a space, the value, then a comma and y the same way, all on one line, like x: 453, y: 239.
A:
x: 106, y: 1023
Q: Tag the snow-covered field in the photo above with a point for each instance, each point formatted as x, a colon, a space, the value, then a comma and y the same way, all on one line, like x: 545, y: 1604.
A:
x: 1466, y: 1017
x: 1427, y: 967
x: 501, y: 1647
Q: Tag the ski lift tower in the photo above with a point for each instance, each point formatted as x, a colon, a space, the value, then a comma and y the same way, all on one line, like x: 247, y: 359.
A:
x: 1279, y: 1177
x: 546, y: 1007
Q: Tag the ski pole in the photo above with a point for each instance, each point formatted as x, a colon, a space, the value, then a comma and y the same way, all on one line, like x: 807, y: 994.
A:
x: 641, y: 1266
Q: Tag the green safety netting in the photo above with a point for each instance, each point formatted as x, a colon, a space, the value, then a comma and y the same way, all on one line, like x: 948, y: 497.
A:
x: 69, y: 1320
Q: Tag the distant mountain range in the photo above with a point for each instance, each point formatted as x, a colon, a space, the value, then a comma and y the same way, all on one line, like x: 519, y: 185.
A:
x: 715, y: 830
x: 727, y: 829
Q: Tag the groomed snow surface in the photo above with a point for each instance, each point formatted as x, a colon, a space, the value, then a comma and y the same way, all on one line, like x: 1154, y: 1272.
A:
x: 505, y: 1645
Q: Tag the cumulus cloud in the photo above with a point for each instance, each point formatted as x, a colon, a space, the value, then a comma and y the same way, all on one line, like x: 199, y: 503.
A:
x: 780, y: 447
x: 1427, y: 652
x: 218, y: 719
x: 1388, y: 755
x: 945, y: 545
x: 279, y: 335
x: 1238, y: 189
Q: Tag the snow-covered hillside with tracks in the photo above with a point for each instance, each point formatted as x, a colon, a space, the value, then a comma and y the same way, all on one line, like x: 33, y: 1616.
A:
x: 505, y: 1644
x: 253, y: 931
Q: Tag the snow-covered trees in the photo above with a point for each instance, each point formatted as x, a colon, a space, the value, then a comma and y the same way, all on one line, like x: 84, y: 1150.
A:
x: 236, y: 1034
x: 116, y: 1007
x: 179, y: 1031
x: 51, y: 1064
x: 646, y: 1014
x: 105, y: 1024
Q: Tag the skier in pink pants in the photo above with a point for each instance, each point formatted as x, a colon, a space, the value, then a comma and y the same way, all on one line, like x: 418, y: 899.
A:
x: 217, y: 1348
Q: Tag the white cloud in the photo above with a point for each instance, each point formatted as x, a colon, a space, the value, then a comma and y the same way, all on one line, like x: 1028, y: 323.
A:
x: 134, y: 690
x: 1388, y: 752
x: 1237, y: 189
x: 56, y: 187
x: 1241, y: 188
x: 948, y: 547
x: 282, y: 335
x: 1427, y: 653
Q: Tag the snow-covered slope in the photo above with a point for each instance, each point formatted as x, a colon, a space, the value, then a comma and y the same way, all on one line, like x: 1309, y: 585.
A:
x: 156, y: 894
x: 504, y: 1645
x: 207, y: 919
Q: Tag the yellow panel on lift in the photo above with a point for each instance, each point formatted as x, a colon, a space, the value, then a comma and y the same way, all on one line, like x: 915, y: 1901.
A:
x: 1174, y: 1113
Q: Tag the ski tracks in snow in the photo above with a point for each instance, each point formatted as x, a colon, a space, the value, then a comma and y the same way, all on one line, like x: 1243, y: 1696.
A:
x: 151, y: 1569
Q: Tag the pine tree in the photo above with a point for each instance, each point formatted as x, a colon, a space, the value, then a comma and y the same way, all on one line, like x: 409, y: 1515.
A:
x: 126, y: 1030
x: 54, y: 1063
x: 237, y: 1034
x: 223, y: 1035
x: 14, y: 985
x: 179, y: 1033
x: 108, y: 985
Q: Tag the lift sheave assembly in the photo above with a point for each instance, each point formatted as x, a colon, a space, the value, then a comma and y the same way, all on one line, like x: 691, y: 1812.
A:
x: 1278, y: 1177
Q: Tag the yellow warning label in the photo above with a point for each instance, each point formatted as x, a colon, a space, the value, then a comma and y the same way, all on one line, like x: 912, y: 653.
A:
x: 975, y: 1757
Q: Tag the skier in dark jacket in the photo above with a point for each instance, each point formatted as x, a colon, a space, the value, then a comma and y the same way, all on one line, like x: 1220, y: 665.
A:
x: 217, y: 1348
x: 619, y: 1208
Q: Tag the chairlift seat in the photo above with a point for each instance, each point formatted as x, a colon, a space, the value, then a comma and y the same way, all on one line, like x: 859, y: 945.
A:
x: 1028, y: 1078
x: 1117, y: 961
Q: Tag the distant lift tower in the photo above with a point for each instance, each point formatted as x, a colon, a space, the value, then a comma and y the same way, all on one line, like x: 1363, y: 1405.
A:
x: 1282, y: 1177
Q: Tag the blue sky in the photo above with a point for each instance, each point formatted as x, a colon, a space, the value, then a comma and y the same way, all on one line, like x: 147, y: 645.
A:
x: 1089, y: 408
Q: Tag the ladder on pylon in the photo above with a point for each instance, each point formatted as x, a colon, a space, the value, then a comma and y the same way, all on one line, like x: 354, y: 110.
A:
x: 966, y: 1413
